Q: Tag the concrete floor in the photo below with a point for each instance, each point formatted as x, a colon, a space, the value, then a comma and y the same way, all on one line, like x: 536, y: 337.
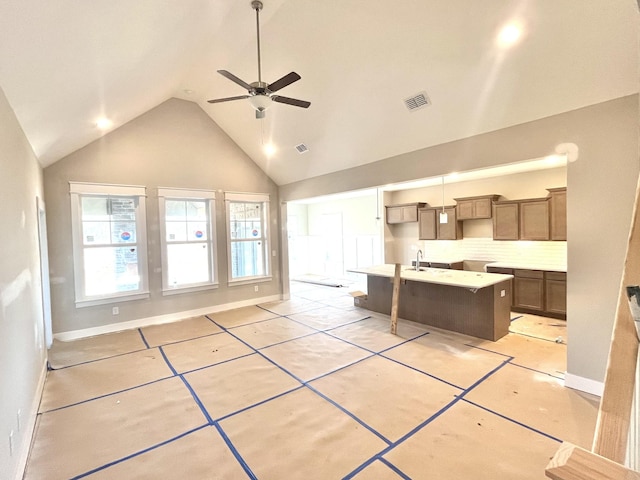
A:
x: 310, y: 388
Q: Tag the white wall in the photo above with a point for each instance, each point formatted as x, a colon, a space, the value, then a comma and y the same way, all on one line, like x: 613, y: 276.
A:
x: 358, y: 232
x: 173, y: 145
x: 22, y: 352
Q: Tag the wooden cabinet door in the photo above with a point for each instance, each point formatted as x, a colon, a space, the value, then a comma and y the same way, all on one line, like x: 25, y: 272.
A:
x: 555, y: 289
x: 528, y: 292
x: 394, y: 214
x: 534, y: 220
x: 482, y: 208
x: 465, y: 209
x: 505, y: 221
x: 452, y: 230
x: 427, y: 224
x: 558, y: 213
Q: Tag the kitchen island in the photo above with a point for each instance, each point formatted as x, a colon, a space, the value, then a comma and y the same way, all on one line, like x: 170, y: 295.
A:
x: 472, y: 303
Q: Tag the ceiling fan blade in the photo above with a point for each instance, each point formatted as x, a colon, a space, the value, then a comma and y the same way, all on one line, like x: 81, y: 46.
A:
x: 290, y: 101
x: 288, y: 79
x: 235, y: 79
x: 228, y: 99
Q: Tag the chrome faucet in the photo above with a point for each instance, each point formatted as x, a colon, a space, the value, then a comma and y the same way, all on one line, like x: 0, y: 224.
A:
x: 418, y: 255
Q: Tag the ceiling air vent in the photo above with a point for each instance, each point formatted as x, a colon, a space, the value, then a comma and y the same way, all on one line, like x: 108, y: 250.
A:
x: 417, y: 102
x: 302, y: 148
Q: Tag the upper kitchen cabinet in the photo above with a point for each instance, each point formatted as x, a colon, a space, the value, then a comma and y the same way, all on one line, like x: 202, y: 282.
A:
x: 506, y: 224
x: 558, y: 213
x: 430, y: 228
x: 470, y: 208
x: 404, y: 213
x: 534, y: 219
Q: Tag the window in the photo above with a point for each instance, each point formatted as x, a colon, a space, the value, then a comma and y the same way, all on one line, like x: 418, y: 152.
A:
x: 109, y: 243
x: 187, y: 222
x: 248, y: 217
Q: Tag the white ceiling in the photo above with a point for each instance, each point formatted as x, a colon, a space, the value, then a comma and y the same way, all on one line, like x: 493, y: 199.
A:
x: 65, y: 63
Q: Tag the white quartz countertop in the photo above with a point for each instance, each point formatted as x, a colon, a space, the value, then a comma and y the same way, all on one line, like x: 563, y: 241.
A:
x: 454, y: 278
x: 528, y: 266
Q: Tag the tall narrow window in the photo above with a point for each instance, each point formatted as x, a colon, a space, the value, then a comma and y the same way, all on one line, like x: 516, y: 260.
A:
x: 248, y: 218
x: 109, y: 243
x: 187, y: 219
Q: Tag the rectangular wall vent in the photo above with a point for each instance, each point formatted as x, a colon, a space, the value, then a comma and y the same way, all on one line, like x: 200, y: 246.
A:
x: 417, y: 102
x: 302, y: 148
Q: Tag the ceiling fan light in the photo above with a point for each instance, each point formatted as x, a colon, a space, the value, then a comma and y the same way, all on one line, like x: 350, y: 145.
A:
x: 260, y: 102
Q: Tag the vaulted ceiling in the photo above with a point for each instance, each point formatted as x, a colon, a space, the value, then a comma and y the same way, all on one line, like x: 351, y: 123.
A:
x: 65, y: 63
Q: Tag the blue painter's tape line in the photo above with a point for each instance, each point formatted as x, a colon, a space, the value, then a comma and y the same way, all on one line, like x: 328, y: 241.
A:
x: 415, y: 430
x: 487, y: 350
x: 528, y: 427
x: 421, y: 371
x: 286, y: 341
x: 259, y: 403
x: 344, y: 410
x: 146, y: 344
x: 129, y: 457
x: 99, y: 359
x: 235, y: 452
x: 197, y: 400
x: 516, y: 318
x: 557, y: 377
x: 186, y: 372
x: 107, y: 395
x: 395, y: 469
x: 406, y: 341
x: 164, y: 355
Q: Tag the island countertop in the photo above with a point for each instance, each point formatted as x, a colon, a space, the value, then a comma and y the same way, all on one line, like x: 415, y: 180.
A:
x: 454, y: 278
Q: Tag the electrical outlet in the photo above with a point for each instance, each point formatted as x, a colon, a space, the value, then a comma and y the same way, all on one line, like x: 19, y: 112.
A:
x: 255, y: 288
x: 11, y: 444
x: 115, y: 311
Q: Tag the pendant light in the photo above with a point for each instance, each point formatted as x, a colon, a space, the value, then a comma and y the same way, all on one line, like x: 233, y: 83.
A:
x: 444, y: 218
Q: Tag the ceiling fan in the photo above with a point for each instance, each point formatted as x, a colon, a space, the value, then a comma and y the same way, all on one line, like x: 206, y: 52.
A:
x: 261, y: 94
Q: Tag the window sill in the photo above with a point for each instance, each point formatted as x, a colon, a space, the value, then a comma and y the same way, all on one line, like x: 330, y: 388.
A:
x: 189, y: 289
x: 108, y: 300
x: 250, y: 280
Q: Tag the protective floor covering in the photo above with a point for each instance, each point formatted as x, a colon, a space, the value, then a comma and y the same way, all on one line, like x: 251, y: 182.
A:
x: 310, y: 388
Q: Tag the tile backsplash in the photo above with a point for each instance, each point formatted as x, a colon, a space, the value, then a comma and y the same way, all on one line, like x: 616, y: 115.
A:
x: 487, y: 249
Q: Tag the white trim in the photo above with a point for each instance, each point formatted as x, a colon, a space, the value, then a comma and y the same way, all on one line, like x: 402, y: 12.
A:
x: 159, y: 319
x: 248, y: 280
x: 112, y: 299
x: 211, y: 241
x: 30, y: 426
x: 180, y: 193
x: 246, y: 197
x: 583, y: 384
x: 106, y: 189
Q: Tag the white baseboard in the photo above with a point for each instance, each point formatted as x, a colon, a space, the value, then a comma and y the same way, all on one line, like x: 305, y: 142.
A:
x: 584, y: 384
x: 159, y: 319
x: 30, y: 425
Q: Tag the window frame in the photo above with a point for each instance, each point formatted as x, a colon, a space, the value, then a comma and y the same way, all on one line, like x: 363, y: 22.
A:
x: 260, y: 198
x: 78, y: 190
x: 188, y: 194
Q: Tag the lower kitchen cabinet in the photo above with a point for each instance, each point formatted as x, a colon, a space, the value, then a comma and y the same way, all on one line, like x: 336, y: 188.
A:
x: 528, y: 289
x: 536, y: 291
x: 555, y: 289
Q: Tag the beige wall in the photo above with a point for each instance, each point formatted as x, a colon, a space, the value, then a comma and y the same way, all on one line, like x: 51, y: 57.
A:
x: 601, y: 186
x: 22, y: 351
x: 173, y: 145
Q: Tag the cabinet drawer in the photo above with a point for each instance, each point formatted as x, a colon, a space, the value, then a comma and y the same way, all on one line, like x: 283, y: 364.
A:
x: 506, y: 271
x: 561, y: 276
x: 529, y: 273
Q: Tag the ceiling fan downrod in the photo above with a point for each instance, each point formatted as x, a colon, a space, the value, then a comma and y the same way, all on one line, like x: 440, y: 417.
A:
x: 257, y: 6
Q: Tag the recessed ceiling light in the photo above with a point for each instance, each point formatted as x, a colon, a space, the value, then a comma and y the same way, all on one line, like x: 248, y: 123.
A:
x: 269, y: 149
x: 103, y: 123
x: 188, y: 91
x: 509, y: 35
